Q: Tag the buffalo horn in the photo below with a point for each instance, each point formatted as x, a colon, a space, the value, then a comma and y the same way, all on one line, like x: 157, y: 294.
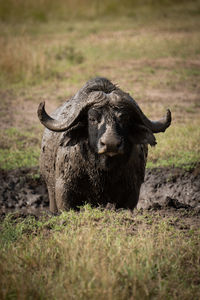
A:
x: 49, y: 122
x: 160, y: 125
x: 155, y: 126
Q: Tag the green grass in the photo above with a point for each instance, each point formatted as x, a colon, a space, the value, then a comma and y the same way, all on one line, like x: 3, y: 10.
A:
x: 18, y: 149
x: 178, y: 147
x: 37, y: 11
x: 99, y: 254
x: 19, y: 158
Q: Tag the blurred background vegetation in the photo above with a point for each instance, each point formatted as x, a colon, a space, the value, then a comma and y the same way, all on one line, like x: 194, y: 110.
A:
x: 45, y: 10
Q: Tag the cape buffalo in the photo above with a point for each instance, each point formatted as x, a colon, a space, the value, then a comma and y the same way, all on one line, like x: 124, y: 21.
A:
x: 95, y: 147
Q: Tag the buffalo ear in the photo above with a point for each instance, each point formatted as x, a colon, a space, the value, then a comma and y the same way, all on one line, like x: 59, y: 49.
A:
x: 143, y: 135
x: 74, y: 135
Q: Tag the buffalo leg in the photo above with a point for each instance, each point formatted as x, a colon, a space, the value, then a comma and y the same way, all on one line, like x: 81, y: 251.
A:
x: 52, y: 202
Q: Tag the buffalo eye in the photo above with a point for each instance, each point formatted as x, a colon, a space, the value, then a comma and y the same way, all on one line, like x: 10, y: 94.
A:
x: 94, y: 116
x: 123, y: 118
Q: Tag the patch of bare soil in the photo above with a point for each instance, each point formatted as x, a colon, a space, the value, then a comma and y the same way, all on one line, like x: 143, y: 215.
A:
x: 164, y: 189
x: 171, y: 187
x: 22, y: 190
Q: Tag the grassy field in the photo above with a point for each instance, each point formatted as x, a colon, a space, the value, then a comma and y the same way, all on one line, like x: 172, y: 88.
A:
x: 100, y: 254
x: 49, y: 49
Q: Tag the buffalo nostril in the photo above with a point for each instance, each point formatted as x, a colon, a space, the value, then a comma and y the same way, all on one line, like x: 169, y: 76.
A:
x: 111, y: 143
x: 102, y: 144
x: 119, y: 144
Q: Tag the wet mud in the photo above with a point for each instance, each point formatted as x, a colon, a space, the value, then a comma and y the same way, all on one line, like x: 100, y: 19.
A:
x: 23, y: 190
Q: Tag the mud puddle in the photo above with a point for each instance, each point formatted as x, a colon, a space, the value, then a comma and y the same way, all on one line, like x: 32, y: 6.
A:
x: 164, y: 189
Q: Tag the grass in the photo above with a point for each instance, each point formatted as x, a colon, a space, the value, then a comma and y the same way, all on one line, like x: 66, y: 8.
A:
x: 99, y: 254
x: 18, y: 149
x: 20, y: 10
x: 35, y: 60
x: 30, y: 63
x: 182, y: 140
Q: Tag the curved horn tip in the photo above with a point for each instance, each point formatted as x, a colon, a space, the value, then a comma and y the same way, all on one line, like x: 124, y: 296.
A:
x: 41, y: 109
x: 168, y: 117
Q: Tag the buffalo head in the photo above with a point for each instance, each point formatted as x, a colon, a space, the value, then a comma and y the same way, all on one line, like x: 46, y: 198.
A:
x: 108, y: 117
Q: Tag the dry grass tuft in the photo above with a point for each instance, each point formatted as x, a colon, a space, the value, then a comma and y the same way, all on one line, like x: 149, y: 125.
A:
x: 21, y: 59
x: 99, y: 254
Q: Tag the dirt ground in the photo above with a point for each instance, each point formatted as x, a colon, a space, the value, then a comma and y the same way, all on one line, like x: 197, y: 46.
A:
x: 170, y: 191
